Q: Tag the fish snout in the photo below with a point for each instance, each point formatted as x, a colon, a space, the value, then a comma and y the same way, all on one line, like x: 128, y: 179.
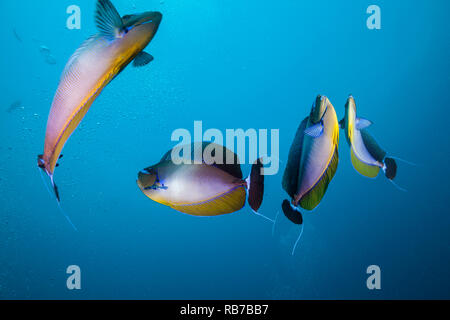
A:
x: 351, y: 100
x: 146, y: 178
x: 157, y: 17
x: 153, y: 17
x: 318, y: 108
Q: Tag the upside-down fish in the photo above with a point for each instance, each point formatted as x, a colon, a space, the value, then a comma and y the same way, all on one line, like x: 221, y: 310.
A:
x: 313, y: 160
x: 201, y: 187
x: 313, y: 156
x: 366, y: 154
x: 94, y: 64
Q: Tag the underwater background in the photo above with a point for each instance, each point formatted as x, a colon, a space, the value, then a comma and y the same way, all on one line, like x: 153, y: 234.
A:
x: 231, y: 64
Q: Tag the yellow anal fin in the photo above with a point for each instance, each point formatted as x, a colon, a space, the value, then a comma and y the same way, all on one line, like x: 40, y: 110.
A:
x: 363, y: 168
x: 228, y: 202
x: 312, y: 199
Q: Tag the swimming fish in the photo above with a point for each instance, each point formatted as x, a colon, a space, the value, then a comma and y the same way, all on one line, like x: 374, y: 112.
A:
x: 313, y: 159
x: 44, y: 50
x: 15, y: 105
x: 203, y: 187
x: 16, y: 35
x: 93, y: 65
x: 366, y: 154
x: 47, y: 54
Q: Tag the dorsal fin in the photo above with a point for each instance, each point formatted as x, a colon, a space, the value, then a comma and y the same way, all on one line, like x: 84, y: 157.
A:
x: 372, y: 146
x: 108, y: 21
x: 290, y: 176
x: 74, y: 58
x: 233, y: 168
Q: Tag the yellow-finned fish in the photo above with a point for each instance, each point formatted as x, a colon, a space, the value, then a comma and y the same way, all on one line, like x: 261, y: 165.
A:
x: 313, y: 159
x: 94, y: 64
x: 366, y: 155
x: 312, y: 162
x: 203, y: 187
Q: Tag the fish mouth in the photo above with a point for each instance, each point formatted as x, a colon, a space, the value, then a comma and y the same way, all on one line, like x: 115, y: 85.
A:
x: 157, y: 17
x: 350, y: 100
x: 319, y: 109
x: 147, y: 18
x: 153, y: 17
x: 146, y: 179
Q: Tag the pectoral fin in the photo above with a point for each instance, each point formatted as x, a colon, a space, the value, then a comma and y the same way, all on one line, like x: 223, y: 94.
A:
x: 315, y: 131
x: 108, y: 21
x: 142, y: 59
x: 362, y: 123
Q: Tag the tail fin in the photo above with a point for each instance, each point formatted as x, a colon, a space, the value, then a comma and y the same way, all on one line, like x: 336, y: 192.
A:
x: 292, y: 214
x: 274, y: 222
x: 255, y: 184
x: 55, y: 189
x: 57, y: 198
x: 297, y: 241
x: 41, y: 164
x: 390, y: 168
x: 405, y: 161
x: 397, y: 186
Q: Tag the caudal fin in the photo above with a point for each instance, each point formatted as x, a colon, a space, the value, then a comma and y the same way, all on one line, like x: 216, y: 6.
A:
x: 55, y: 189
x: 390, y: 168
x: 255, y: 184
x: 41, y: 164
x: 292, y: 214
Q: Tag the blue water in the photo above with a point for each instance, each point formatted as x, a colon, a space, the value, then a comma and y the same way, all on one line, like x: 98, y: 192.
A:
x: 231, y: 64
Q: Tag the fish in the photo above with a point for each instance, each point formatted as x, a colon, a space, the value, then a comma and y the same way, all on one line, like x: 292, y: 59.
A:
x: 44, y: 50
x: 313, y: 159
x: 312, y: 162
x: 15, y: 105
x: 367, y: 157
x: 118, y: 42
x: 202, y: 187
x: 16, y: 35
x: 50, y: 59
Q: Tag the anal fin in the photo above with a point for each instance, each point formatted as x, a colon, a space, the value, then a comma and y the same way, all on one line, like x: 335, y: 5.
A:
x: 363, y: 168
x: 312, y: 199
